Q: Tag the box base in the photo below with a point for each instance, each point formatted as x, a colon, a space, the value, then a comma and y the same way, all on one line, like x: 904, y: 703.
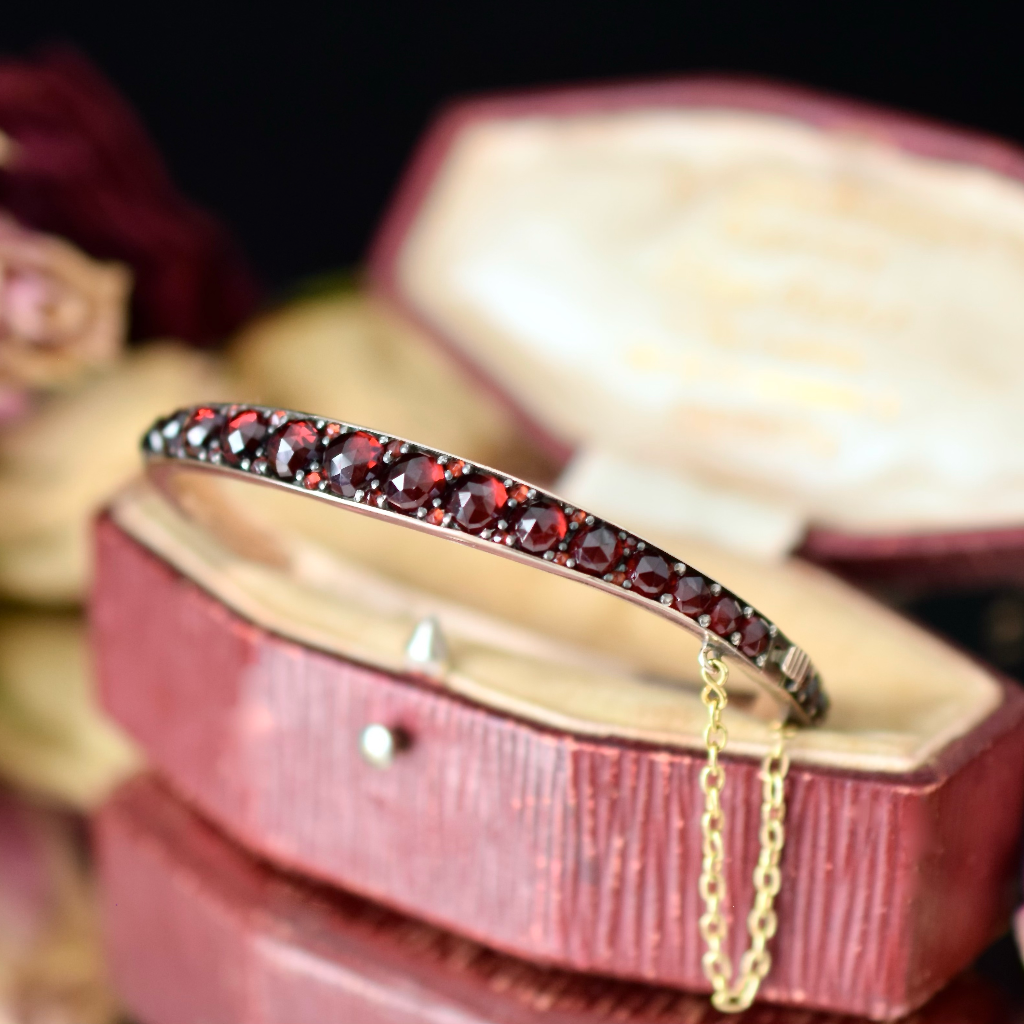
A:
x: 560, y: 849
x: 199, y: 931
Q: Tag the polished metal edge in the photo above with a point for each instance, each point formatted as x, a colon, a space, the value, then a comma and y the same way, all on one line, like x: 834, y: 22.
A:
x: 782, y: 667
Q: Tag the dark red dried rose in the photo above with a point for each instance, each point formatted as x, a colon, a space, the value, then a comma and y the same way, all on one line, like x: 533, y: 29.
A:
x: 75, y: 162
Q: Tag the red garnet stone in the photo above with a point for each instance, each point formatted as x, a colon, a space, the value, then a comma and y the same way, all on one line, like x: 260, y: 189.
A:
x: 649, y: 573
x: 199, y: 427
x: 242, y: 436
x: 292, y: 448
x: 413, y: 482
x: 350, y: 461
x: 596, y: 550
x: 754, y: 636
x: 726, y: 615
x: 476, y: 503
x: 540, y: 527
x: 691, y: 595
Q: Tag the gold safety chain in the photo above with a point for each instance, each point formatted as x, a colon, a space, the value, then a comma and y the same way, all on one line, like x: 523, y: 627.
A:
x: 735, y: 995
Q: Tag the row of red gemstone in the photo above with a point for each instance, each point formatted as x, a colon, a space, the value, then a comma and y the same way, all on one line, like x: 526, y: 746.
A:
x: 361, y: 466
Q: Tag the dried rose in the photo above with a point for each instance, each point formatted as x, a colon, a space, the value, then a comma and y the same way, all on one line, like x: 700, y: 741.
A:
x: 77, y: 163
x: 60, y: 311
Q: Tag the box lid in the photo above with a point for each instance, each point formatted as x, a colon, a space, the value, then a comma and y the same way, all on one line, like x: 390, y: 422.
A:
x: 737, y: 310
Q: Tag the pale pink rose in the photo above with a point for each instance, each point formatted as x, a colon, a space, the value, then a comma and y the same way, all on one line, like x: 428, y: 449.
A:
x: 61, y: 312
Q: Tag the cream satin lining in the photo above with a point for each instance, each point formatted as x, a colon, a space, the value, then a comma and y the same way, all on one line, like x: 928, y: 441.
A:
x: 782, y: 324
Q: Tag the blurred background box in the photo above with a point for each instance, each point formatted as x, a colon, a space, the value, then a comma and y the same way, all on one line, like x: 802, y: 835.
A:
x: 795, y: 315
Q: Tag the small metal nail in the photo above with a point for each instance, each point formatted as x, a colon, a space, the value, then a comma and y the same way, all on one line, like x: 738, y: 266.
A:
x: 378, y: 744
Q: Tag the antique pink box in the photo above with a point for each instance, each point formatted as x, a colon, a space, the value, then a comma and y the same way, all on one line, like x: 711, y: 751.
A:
x: 749, y: 321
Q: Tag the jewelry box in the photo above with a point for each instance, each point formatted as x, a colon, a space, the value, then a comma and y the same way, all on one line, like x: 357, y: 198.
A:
x: 735, y: 315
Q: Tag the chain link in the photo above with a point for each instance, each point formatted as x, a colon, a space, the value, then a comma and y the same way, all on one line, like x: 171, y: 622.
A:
x: 733, y: 995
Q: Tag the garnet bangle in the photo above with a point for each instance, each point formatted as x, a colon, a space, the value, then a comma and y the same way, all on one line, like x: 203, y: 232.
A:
x: 421, y: 487
x: 390, y: 478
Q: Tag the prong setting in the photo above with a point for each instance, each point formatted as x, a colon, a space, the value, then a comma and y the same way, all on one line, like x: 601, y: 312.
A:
x: 491, y: 509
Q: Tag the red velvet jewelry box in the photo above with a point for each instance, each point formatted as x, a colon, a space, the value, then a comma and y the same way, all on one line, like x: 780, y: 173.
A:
x: 546, y: 802
x: 544, y: 831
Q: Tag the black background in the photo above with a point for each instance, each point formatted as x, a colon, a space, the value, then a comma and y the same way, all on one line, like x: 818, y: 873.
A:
x: 293, y: 120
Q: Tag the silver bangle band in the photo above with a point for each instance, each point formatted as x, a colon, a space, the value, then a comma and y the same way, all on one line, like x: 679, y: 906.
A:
x: 391, y: 478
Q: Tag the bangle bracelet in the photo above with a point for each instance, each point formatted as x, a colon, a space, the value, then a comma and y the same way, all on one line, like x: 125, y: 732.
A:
x: 388, y: 477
